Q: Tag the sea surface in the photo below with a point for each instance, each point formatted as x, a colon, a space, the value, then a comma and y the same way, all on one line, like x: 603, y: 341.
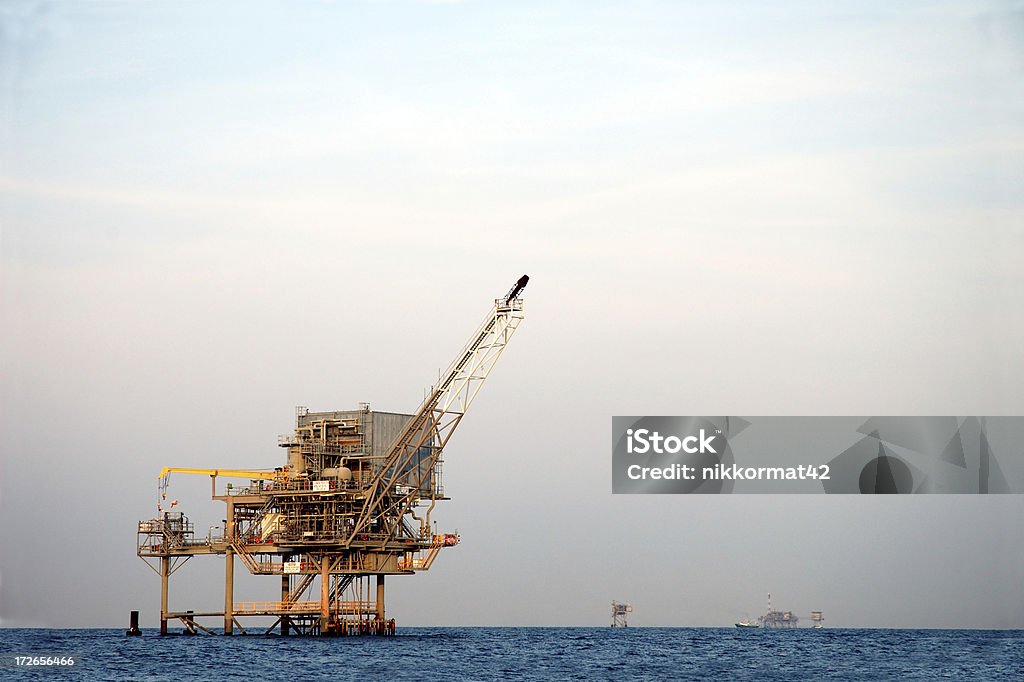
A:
x: 425, y: 654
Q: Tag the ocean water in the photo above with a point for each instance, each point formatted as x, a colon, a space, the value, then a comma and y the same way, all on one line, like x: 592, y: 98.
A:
x: 528, y: 654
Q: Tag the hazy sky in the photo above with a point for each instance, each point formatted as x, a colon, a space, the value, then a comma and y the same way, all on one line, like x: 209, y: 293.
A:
x: 212, y: 214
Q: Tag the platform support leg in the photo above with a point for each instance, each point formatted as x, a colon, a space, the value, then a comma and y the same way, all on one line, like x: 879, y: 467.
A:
x: 285, y: 591
x: 380, y: 596
x: 165, y: 575
x: 325, y: 593
x: 229, y: 591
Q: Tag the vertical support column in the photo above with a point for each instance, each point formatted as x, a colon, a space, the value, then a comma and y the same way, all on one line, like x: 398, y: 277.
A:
x: 285, y: 591
x: 325, y: 592
x: 380, y: 596
x: 229, y: 572
x: 165, y: 574
x: 229, y: 591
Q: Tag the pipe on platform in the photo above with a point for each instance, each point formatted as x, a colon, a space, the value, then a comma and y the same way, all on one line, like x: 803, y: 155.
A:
x: 433, y: 501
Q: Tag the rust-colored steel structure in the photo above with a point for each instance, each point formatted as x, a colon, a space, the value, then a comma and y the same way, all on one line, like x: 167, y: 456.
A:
x: 351, y: 505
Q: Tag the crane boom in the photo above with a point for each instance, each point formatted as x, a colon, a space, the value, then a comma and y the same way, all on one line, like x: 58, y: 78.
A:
x: 230, y: 473
x: 412, y: 458
x: 163, y: 479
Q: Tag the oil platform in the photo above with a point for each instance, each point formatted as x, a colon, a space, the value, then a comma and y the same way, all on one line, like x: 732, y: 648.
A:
x: 620, y: 614
x: 352, y: 504
x: 774, y: 618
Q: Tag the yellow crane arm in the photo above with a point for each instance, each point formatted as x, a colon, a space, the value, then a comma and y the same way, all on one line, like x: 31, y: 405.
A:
x: 232, y: 473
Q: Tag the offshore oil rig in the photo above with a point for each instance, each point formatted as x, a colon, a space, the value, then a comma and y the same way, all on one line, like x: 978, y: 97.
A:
x: 774, y: 618
x: 620, y: 614
x: 345, y: 509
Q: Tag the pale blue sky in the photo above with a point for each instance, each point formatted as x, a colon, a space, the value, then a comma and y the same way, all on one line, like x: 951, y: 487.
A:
x: 211, y: 214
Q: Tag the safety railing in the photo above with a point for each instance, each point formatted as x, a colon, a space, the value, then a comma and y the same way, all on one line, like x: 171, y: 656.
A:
x: 294, y: 485
x: 504, y: 306
x: 312, y: 606
x: 278, y: 568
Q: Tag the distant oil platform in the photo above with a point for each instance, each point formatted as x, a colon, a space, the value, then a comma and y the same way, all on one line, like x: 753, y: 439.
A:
x: 620, y: 614
x: 774, y: 618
